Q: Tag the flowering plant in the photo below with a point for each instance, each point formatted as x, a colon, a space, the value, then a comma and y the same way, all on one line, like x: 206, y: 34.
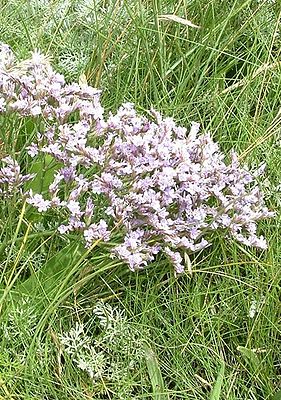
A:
x: 166, y: 189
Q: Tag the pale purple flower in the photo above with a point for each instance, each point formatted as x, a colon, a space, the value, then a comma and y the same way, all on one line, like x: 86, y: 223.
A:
x: 167, y: 189
x: 7, y: 57
x: 11, y: 179
x: 68, y: 173
x: 38, y: 202
x: 35, y: 110
x: 32, y: 150
x: 2, y: 105
x: 74, y: 208
x: 64, y: 229
x: 89, y: 209
x: 95, y: 232
x: 54, y: 186
x: 176, y: 259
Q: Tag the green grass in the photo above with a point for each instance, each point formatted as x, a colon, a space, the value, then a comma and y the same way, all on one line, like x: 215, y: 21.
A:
x: 199, y: 340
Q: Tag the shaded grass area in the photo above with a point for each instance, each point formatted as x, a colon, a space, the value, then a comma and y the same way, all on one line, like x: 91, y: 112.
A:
x: 202, y: 341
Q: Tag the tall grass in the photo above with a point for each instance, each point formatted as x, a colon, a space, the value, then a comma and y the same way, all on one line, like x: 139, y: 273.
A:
x: 211, y: 334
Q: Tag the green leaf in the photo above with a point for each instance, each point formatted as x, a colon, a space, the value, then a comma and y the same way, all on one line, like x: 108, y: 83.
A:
x: 49, y: 277
x: 249, y: 356
x: 154, y: 372
x: 44, y: 170
x: 277, y: 396
x: 216, y: 392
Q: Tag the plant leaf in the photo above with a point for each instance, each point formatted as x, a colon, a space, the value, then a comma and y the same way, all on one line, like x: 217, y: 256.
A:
x: 277, y: 396
x: 154, y: 372
x: 44, y: 170
x: 175, y: 18
x: 216, y: 392
x: 249, y: 356
x: 51, y: 274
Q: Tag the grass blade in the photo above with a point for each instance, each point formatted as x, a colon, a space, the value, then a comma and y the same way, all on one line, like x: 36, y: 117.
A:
x: 249, y: 356
x: 216, y: 392
x: 156, y: 379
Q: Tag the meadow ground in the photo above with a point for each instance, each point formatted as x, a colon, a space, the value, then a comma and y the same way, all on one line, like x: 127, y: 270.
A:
x: 82, y: 326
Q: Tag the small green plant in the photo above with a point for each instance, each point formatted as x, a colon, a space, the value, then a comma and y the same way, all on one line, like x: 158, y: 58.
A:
x: 113, y: 354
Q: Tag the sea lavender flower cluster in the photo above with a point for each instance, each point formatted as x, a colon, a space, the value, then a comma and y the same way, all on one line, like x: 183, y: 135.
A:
x: 11, y: 179
x: 167, y: 190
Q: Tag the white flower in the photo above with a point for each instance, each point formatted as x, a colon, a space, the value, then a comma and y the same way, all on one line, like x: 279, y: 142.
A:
x: 253, y: 308
x: 74, y: 207
x: 38, y: 201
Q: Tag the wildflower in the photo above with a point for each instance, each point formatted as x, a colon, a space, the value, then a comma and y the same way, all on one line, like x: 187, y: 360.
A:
x: 74, y: 208
x: 38, y: 201
x: 255, y: 307
x: 32, y: 150
x: 2, y: 105
x: 7, y: 57
x: 11, y: 178
x: 176, y: 260
x: 167, y: 189
x: 95, y: 232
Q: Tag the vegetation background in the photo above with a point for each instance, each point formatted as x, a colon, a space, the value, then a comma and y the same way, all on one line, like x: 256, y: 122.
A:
x: 210, y: 334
